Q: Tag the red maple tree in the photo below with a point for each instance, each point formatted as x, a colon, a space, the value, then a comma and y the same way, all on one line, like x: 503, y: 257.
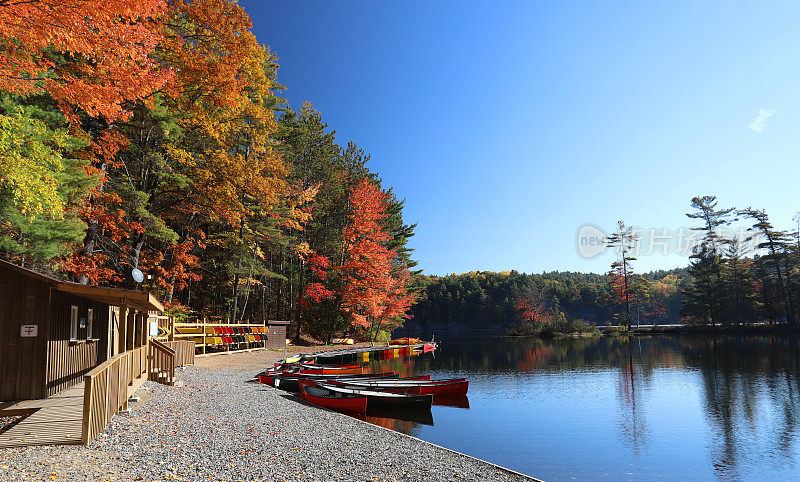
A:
x: 531, y: 309
x: 375, y: 282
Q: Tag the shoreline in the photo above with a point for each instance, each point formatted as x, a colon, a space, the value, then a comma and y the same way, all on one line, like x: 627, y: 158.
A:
x: 219, y: 425
x: 713, y: 330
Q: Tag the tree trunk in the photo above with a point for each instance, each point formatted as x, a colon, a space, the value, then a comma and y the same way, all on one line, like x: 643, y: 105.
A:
x: 136, y: 251
x: 299, y: 310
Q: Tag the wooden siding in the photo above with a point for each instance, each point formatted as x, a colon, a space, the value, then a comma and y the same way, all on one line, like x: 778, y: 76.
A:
x: 69, y: 361
x: 277, y: 335
x: 23, y: 301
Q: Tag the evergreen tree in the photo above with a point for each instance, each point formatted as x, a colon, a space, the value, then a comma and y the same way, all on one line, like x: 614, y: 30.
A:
x: 740, y: 302
x: 624, y: 241
x: 703, y: 301
x: 776, y: 261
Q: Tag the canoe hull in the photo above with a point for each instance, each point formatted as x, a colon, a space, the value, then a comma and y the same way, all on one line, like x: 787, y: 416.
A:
x: 454, y: 387
x: 377, y: 399
x: 354, y: 404
x: 290, y: 382
x: 450, y: 389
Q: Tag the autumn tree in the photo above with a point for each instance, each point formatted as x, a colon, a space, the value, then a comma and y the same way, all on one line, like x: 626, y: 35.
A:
x: 532, y: 308
x: 375, y: 291
x: 91, y: 55
x: 199, y: 156
x: 149, y: 134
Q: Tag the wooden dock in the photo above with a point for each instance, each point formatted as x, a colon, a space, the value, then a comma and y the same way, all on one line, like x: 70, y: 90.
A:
x: 365, y: 354
x: 57, y: 420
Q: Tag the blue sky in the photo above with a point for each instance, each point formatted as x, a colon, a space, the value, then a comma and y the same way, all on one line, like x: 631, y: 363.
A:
x: 509, y: 125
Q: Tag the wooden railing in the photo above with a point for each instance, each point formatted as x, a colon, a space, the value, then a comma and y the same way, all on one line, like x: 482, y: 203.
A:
x: 184, y: 352
x: 161, y: 363
x: 164, y: 322
x: 105, y: 390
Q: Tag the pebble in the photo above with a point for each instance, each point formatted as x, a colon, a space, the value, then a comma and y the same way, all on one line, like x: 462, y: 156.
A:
x: 221, y: 426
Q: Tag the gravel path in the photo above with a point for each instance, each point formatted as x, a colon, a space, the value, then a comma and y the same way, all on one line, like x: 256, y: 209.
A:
x: 7, y: 422
x: 220, y: 426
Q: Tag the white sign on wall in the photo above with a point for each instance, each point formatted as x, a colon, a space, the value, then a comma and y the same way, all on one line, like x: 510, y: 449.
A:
x: 29, y: 331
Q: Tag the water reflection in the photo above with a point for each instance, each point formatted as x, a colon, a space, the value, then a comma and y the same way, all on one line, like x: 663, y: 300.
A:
x: 631, y: 422
x: 728, y: 405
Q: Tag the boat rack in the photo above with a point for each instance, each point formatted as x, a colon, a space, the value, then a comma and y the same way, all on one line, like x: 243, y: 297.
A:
x: 215, y: 337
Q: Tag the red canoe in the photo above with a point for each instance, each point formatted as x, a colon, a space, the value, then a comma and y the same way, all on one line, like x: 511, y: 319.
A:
x: 323, y: 397
x: 268, y: 378
x: 413, y: 387
x: 330, y: 371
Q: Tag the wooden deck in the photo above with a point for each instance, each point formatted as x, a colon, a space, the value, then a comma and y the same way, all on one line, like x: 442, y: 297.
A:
x: 57, y: 420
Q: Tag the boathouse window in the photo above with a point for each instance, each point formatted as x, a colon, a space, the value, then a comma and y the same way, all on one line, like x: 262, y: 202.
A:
x: 73, y: 323
x: 89, y: 322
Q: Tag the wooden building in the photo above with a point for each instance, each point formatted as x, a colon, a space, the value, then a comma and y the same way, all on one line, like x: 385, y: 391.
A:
x: 53, y: 332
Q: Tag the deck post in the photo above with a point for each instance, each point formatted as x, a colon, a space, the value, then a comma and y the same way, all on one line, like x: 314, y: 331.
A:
x: 122, y: 328
x: 87, y: 410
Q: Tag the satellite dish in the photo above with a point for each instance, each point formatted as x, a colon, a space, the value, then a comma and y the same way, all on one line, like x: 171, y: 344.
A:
x: 137, y: 275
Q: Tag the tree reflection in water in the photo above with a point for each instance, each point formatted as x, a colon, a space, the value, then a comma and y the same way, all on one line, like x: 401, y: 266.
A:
x: 746, y: 388
x: 631, y: 421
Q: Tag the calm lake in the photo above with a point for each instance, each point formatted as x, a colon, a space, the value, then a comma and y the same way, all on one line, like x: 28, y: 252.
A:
x: 663, y: 407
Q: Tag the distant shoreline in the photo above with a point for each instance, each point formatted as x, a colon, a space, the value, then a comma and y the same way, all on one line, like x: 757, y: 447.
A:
x: 613, y: 330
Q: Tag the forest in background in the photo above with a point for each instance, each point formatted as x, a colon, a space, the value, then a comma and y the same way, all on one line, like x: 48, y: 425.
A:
x: 484, y: 299
x: 742, y: 270
x: 150, y: 135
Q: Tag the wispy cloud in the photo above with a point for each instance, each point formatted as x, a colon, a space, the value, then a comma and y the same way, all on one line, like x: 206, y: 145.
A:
x: 760, y: 121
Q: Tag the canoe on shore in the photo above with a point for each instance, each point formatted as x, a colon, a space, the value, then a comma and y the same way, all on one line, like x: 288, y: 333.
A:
x: 291, y: 382
x: 458, y: 386
x: 377, y: 399
x: 323, y: 397
x: 318, y: 370
x: 364, y: 354
x: 268, y: 378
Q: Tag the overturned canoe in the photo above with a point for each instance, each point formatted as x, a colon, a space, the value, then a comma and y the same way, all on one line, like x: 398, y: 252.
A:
x: 377, y: 399
x: 332, y: 399
x: 458, y: 386
x: 291, y: 382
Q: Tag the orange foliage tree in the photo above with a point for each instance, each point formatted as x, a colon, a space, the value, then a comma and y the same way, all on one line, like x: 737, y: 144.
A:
x: 374, y: 291
x: 171, y: 113
x: 91, y: 54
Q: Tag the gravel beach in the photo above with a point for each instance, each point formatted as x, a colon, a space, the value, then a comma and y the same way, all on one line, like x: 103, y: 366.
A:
x: 218, y: 425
